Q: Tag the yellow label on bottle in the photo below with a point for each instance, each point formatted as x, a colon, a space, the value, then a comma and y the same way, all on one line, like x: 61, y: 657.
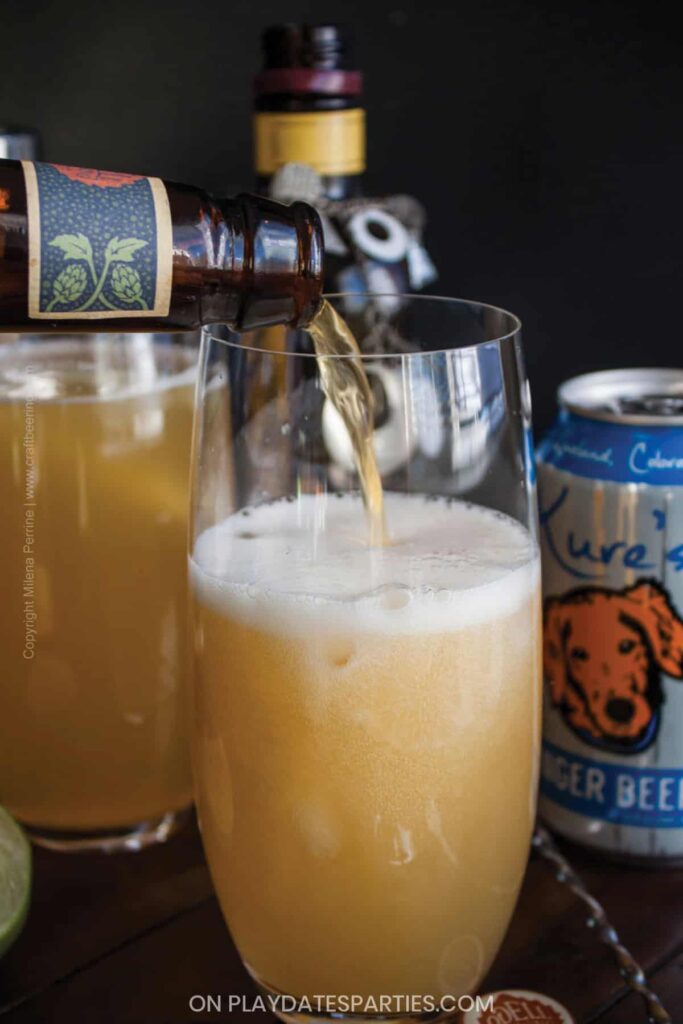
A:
x: 332, y: 142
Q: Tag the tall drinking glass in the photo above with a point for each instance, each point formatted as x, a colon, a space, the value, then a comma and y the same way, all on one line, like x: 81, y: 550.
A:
x: 366, y: 719
x: 94, y: 465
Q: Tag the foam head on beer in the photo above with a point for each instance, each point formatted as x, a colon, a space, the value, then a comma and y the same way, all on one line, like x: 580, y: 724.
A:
x: 448, y: 565
x: 366, y: 732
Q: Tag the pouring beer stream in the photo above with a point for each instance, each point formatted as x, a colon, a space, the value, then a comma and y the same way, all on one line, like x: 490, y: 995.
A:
x: 346, y: 385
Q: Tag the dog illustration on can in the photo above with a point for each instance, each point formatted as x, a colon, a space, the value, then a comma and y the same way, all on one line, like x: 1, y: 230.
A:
x: 604, y: 652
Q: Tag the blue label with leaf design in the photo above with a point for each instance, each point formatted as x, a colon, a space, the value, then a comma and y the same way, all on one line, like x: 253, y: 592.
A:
x: 99, y: 244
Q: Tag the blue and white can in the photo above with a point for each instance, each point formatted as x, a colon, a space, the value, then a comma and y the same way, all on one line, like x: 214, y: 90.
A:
x: 610, y: 475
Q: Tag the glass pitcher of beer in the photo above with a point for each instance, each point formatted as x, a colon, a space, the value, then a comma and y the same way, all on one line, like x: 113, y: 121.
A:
x: 366, y: 706
x: 94, y: 461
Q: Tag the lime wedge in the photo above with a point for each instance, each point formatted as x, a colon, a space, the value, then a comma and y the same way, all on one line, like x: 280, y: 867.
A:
x: 15, y: 879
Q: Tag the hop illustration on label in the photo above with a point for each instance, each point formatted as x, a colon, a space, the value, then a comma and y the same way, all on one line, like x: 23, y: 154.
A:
x: 70, y: 284
x: 125, y: 282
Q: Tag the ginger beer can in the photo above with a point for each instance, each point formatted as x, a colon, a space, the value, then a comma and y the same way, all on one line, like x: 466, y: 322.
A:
x: 610, y: 475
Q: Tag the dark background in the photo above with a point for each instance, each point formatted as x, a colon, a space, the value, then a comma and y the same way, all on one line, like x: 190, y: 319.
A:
x: 545, y: 139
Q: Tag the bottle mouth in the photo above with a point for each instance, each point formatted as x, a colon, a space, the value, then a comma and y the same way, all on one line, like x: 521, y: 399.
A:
x: 306, y: 46
x: 310, y: 283
x: 282, y: 262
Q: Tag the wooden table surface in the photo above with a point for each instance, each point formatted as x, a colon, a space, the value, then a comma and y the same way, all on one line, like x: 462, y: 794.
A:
x: 128, y: 939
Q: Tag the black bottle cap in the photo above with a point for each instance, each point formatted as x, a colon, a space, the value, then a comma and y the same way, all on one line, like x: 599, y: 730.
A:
x: 323, y: 47
x: 307, y: 58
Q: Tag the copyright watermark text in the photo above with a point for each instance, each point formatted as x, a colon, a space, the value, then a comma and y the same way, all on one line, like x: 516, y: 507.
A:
x: 28, y: 596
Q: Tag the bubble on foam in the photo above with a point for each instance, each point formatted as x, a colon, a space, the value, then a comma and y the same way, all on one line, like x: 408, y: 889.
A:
x: 449, y: 565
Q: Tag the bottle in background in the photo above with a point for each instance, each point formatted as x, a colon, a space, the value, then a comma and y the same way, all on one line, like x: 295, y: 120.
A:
x: 307, y: 110
x: 139, y: 253
x: 17, y: 143
x: 309, y: 143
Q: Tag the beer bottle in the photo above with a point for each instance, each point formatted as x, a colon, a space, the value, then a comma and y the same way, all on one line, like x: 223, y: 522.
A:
x: 307, y: 109
x: 134, y: 253
x: 309, y: 144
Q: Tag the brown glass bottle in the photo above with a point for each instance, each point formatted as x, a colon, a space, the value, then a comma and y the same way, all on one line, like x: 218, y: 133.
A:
x: 80, y: 248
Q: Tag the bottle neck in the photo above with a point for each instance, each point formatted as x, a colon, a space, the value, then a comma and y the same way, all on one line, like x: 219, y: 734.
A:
x: 268, y: 263
x: 247, y: 261
x: 326, y: 133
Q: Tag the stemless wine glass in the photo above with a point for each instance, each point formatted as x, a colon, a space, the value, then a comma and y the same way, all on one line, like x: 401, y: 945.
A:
x: 95, y: 437
x: 366, y: 719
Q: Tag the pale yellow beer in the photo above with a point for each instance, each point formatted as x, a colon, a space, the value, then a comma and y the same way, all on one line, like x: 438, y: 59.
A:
x: 366, y: 739
x: 94, y: 464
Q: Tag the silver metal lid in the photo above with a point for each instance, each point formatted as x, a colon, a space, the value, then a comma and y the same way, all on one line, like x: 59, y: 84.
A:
x: 647, y: 396
x: 18, y: 143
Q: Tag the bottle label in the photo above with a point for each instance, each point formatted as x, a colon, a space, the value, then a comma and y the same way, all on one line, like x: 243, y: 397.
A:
x: 100, y: 244
x: 332, y: 142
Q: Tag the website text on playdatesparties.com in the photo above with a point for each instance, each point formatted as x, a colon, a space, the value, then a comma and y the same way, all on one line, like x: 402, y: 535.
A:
x: 390, y: 1004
